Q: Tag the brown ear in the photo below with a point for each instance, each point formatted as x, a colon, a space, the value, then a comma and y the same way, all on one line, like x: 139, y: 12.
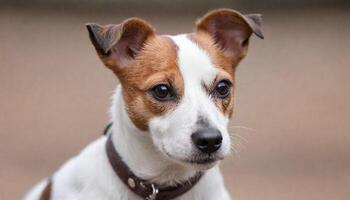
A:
x: 230, y: 29
x: 118, y: 45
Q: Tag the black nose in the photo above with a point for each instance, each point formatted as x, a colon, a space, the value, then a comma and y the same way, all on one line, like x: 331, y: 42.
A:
x: 207, y: 140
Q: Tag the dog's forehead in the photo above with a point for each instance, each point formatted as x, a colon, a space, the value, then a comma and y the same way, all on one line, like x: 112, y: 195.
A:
x: 194, y: 62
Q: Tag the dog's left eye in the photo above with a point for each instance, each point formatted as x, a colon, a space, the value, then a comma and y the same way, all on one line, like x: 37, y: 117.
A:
x: 162, y: 92
x: 222, y: 89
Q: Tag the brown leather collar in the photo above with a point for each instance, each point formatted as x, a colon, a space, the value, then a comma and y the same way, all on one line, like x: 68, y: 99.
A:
x: 46, y: 193
x: 146, y: 190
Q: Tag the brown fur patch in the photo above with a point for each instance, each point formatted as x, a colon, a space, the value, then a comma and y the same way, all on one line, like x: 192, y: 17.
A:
x: 156, y: 64
x: 226, y: 63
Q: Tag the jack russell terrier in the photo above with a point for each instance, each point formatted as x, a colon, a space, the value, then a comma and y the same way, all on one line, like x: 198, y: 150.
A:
x: 170, y: 113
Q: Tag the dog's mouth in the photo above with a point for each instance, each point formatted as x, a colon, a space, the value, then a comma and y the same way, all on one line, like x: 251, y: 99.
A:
x: 198, y: 160
x: 203, y: 160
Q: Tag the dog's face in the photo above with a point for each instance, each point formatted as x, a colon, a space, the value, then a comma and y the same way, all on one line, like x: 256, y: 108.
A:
x: 180, y: 88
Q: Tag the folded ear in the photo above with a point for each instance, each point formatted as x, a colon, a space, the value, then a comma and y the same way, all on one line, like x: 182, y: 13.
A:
x: 118, y: 45
x: 230, y: 29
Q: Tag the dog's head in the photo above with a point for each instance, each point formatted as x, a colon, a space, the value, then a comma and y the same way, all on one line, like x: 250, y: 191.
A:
x: 180, y: 89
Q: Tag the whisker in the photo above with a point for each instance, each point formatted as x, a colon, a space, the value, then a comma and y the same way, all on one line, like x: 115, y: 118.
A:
x: 238, y: 143
x: 243, y: 127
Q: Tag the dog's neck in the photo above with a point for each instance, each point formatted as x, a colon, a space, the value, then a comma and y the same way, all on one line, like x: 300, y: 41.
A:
x: 138, y: 152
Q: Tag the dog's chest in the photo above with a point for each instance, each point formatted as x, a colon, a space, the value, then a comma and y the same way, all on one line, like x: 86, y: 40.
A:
x: 89, y: 177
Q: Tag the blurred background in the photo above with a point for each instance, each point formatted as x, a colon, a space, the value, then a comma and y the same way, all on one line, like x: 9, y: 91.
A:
x: 292, y: 119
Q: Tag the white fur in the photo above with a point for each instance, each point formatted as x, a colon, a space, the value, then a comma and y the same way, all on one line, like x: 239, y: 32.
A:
x: 89, y: 175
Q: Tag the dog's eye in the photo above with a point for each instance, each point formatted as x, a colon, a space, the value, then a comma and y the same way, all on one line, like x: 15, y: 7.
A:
x: 222, y: 89
x: 162, y: 92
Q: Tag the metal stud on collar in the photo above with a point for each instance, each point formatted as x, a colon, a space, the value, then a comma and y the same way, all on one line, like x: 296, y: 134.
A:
x: 131, y: 183
x: 153, y: 196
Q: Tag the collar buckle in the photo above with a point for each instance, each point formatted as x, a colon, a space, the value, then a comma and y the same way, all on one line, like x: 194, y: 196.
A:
x: 154, y: 194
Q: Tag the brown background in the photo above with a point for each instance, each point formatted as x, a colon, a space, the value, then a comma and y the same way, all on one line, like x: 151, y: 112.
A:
x: 292, y: 113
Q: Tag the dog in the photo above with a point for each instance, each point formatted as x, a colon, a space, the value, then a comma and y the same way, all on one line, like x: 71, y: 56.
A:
x: 169, y: 115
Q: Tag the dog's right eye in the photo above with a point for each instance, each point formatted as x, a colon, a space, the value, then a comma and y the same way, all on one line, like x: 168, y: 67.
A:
x: 222, y: 89
x: 162, y: 92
